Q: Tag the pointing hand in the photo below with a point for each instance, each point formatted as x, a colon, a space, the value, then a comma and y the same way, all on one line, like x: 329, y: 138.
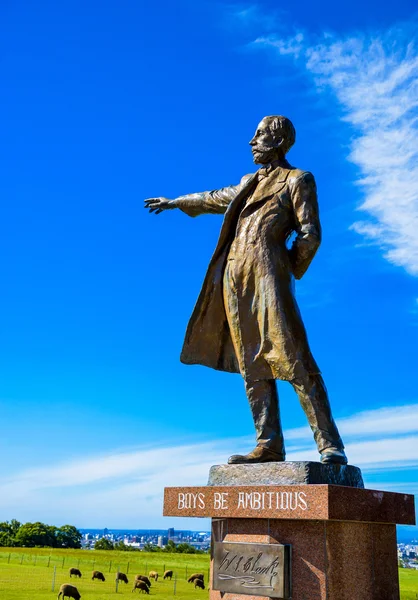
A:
x: 157, y: 205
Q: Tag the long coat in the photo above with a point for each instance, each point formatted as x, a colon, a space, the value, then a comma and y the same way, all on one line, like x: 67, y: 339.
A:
x: 251, y: 274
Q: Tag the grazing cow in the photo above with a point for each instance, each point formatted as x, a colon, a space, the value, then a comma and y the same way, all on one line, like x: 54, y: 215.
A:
x: 153, y: 575
x: 141, y: 586
x: 168, y: 574
x: 195, y: 576
x: 75, y: 572
x: 121, y: 577
x: 198, y: 583
x: 98, y: 575
x: 69, y: 591
x: 143, y: 578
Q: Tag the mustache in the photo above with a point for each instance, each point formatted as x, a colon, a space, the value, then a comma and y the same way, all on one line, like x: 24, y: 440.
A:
x: 261, y: 148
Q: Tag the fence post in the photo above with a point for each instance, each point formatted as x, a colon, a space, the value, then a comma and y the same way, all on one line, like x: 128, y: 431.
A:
x: 175, y: 584
x: 53, y: 578
x: 63, y: 561
x: 35, y: 559
x: 186, y: 571
x: 117, y: 581
x: 208, y: 575
x: 49, y: 560
x: 78, y: 563
x: 8, y: 560
x: 21, y: 559
x: 94, y: 562
x: 146, y: 568
x: 110, y: 566
x: 163, y: 568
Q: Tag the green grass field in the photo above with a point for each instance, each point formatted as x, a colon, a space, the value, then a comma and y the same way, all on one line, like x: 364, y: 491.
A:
x: 37, y: 573
x: 408, y: 579
x: 32, y: 573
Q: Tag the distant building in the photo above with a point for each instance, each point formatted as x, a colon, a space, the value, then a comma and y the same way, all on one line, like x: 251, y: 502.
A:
x: 135, y: 544
x: 199, y: 545
x: 160, y: 541
x: 171, y: 533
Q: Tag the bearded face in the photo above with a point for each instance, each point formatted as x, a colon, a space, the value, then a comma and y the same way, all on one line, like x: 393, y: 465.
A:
x: 264, y: 146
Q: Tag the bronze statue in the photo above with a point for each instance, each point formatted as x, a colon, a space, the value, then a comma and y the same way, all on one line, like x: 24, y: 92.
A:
x: 246, y: 319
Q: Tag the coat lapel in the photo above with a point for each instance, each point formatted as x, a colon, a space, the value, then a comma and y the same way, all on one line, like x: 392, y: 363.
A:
x: 268, y: 185
x: 232, y: 214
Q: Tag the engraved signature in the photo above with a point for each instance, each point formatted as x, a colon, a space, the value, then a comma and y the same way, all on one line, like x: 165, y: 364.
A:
x: 246, y: 581
x: 249, y: 564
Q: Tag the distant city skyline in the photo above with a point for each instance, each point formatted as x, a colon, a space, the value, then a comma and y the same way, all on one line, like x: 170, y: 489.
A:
x: 405, y: 534
x: 139, y: 538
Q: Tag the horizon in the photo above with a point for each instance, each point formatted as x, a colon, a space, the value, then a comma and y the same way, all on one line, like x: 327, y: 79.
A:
x: 402, y: 531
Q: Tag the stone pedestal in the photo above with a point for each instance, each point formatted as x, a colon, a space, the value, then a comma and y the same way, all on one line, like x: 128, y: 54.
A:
x: 343, y: 539
x: 331, y: 560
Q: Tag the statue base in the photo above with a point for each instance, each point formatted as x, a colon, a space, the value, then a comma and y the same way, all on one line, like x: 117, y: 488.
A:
x: 286, y: 473
x: 299, y: 541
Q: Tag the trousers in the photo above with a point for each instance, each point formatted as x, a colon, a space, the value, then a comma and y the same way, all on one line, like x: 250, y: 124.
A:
x: 264, y: 403
x: 262, y: 393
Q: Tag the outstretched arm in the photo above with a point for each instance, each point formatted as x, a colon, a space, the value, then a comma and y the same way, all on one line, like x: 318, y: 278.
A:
x: 214, y: 202
x: 307, y: 225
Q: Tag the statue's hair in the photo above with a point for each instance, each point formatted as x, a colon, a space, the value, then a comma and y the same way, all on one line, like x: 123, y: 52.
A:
x: 282, y: 128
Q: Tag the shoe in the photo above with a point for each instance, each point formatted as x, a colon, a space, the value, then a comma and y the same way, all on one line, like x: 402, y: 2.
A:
x: 333, y: 456
x: 260, y: 454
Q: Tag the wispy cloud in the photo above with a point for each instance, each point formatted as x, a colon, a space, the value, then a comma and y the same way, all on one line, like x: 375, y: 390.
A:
x: 294, y: 46
x: 393, y: 420
x: 126, y: 486
x: 381, y: 439
x: 414, y: 309
x: 247, y: 16
x: 375, y: 79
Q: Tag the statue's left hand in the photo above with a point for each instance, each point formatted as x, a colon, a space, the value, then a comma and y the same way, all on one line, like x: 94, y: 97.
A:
x: 157, y: 205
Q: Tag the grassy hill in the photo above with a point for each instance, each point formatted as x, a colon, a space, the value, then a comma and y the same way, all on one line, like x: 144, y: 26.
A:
x: 37, y: 573
x: 408, y: 579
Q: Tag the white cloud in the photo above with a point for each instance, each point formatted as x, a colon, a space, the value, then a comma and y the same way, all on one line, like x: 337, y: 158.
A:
x: 247, y: 16
x: 375, y: 79
x: 293, y: 45
x: 394, y: 420
x: 414, y: 309
x: 125, y: 488
x: 147, y: 464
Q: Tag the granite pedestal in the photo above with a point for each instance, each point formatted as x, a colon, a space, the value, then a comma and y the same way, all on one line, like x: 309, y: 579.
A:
x: 342, y: 538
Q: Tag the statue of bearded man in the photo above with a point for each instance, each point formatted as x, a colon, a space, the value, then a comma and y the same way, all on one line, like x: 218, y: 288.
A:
x: 246, y: 319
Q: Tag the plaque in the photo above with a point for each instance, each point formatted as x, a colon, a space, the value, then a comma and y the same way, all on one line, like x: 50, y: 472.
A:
x: 253, y: 569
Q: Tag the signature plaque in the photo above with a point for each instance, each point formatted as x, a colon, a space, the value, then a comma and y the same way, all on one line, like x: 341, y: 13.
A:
x: 253, y: 569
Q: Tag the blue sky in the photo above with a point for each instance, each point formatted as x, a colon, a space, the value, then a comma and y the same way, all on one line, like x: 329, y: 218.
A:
x: 105, y: 105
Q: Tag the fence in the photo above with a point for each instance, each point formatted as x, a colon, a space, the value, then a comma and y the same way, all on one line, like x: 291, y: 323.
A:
x: 32, y: 576
x: 133, y: 563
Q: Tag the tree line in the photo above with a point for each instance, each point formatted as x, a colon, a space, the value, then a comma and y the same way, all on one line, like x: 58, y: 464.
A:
x: 180, y: 548
x: 28, y: 535
x: 31, y: 535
